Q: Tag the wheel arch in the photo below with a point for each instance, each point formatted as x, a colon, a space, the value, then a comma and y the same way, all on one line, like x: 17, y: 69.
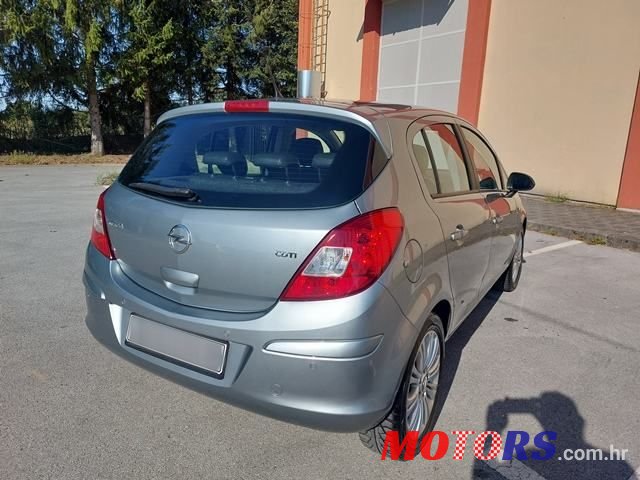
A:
x: 443, y: 310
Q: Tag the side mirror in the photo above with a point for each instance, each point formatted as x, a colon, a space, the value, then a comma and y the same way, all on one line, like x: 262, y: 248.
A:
x: 520, y: 182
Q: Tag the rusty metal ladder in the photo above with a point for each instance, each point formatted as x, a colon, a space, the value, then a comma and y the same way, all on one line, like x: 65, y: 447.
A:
x: 320, y: 27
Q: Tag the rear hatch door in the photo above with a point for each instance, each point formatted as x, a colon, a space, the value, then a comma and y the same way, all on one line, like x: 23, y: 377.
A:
x: 256, y: 194
x: 235, y: 260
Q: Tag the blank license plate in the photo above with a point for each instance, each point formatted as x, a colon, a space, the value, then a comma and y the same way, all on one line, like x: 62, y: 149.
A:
x: 186, y: 349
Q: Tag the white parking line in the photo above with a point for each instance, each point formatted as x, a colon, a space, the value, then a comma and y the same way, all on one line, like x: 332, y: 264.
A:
x: 551, y: 248
x: 514, y: 470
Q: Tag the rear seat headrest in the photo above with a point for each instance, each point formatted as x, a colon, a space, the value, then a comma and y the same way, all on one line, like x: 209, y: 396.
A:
x: 323, y: 160
x: 274, y: 160
x: 305, y: 149
x: 225, y: 159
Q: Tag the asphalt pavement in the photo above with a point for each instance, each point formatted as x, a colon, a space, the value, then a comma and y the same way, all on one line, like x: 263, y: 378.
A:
x: 560, y: 354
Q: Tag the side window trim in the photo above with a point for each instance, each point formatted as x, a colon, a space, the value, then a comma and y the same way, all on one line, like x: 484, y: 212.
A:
x: 417, y: 127
x: 473, y: 178
x: 473, y: 187
x: 426, y: 122
x: 432, y: 162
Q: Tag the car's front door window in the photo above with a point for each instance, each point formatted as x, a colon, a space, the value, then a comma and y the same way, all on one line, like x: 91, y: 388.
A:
x: 484, y: 162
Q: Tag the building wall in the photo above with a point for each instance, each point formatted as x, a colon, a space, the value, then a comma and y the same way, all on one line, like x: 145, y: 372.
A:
x: 559, y: 85
x: 344, y: 49
x: 421, y: 47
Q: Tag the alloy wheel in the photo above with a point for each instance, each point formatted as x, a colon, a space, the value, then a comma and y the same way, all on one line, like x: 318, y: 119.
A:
x: 517, y: 260
x: 423, y: 383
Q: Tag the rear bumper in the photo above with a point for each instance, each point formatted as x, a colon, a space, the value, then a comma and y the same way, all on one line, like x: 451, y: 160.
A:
x: 332, y: 365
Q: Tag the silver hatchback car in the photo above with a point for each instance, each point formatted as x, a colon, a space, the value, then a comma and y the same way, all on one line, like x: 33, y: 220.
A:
x: 304, y: 259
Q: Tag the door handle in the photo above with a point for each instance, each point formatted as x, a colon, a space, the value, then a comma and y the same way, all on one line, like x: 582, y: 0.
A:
x: 497, y: 220
x: 459, y: 234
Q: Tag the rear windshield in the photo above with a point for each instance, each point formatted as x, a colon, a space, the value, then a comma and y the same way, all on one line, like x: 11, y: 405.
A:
x: 261, y: 160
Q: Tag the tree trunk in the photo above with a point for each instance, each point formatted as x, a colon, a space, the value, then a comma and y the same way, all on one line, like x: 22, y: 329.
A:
x: 97, y: 146
x: 230, y: 82
x: 189, y: 89
x: 147, y: 108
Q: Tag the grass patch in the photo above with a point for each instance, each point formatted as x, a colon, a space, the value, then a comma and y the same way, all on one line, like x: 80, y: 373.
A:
x: 596, y: 240
x: 592, y: 239
x: 557, y: 198
x: 21, y: 158
x: 107, y: 178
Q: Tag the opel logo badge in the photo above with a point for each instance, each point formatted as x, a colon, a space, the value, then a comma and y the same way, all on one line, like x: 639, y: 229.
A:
x: 179, y: 239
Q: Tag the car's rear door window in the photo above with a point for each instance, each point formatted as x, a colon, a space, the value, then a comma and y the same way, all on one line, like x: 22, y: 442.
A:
x: 256, y: 160
x: 447, y: 159
x: 484, y: 161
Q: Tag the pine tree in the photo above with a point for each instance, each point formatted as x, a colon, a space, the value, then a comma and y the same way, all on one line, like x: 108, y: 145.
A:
x: 225, y: 49
x: 59, y: 49
x: 275, y: 43
x: 146, y: 50
x: 251, y: 46
x: 116, y: 53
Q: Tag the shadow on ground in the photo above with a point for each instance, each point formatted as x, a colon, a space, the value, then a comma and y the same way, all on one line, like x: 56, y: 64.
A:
x: 554, y: 411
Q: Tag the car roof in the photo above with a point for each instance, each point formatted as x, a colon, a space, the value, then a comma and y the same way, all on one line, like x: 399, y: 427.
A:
x: 387, y: 109
x: 369, y: 110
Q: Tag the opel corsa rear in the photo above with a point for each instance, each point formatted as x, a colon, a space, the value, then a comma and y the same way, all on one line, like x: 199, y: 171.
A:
x: 306, y: 260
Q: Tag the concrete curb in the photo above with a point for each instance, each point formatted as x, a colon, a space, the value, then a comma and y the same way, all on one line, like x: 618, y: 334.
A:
x: 590, y: 237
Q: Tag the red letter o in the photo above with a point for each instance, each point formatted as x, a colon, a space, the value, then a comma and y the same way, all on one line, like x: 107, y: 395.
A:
x: 443, y: 445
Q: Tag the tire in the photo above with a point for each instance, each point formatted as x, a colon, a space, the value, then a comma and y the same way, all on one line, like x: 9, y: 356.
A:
x: 397, y: 419
x: 509, y: 280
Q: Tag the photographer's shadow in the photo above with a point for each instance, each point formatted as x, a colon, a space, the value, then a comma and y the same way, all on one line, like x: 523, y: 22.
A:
x: 558, y: 413
x: 554, y: 411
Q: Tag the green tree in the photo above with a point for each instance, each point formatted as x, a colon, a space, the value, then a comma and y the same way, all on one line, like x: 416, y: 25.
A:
x: 251, y: 48
x: 147, y: 57
x: 226, y: 51
x: 191, y: 74
x: 114, y: 58
x: 274, y: 40
x: 60, y: 49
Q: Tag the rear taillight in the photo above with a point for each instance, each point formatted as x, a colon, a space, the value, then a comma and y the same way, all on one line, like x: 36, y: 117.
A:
x: 99, y: 232
x: 349, y: 259
x: 233, y: 106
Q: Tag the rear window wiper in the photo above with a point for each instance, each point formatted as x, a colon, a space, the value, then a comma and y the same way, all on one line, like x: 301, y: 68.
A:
x: 169, y: 192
